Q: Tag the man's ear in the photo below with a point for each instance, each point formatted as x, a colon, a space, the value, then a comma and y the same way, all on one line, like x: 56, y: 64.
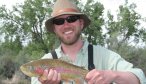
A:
x: 54, y: 29
x: 82, y: 23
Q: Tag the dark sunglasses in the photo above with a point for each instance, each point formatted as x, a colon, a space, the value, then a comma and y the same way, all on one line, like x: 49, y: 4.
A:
x: 69, y: 19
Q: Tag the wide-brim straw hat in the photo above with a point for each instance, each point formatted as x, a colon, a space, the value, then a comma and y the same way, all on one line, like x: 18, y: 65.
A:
x: 64, y: 7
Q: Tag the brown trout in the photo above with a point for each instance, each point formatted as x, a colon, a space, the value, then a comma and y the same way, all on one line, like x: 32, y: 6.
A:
x: 67, y: 70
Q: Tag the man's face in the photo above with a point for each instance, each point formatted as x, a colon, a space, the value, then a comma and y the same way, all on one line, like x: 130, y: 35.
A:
x: 68, y: 28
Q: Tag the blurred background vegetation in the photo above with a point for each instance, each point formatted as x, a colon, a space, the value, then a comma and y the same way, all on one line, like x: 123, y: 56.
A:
x: 24, y: 37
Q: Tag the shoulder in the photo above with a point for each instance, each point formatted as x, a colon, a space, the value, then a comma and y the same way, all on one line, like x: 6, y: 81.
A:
x: 108, y: 57
x: 49, y: 55
x: 105, y: 51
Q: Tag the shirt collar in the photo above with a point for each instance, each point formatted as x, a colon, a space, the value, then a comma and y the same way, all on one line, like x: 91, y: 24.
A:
x: 85, y: 46
x: 82, y: 50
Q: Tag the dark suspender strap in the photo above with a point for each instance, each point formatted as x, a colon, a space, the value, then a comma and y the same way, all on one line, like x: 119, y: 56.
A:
x: 54, y: 55
x: 90, y: 57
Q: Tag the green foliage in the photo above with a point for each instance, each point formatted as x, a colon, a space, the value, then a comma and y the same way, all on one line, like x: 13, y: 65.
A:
x: 121, y: 31
x: 129, y: 21
x: 10, y: 47
x: 27, y: 22
x: 94, y: 32
x: 134, y: 55
x: 144, y: 36
x: 125, y: 27
x: 7, y: 68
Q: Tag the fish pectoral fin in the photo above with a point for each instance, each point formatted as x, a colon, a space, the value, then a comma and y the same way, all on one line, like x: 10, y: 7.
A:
x: 43, y: 77
x: 79, y: 80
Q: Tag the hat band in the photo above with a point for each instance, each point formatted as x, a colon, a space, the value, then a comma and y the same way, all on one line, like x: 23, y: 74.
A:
x: 65, y: 11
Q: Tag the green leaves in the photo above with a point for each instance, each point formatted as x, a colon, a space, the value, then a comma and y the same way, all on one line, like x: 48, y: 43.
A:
x: 7, y: 68
x: 126, y: 26
x: 95, y: 12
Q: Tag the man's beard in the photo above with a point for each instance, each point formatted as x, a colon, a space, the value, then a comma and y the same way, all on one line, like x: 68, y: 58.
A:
x: 70, y: 41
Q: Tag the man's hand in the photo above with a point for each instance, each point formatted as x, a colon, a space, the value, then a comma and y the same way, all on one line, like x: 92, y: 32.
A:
x: 100, y: 77
x: 50, y: 77
x: 109, y: 76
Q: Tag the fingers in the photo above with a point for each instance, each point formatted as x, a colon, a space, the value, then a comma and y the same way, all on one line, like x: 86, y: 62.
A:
x: 96, y: 79
x: 99, y: 77
x: 90, y: 74
x: 53, y: 76
x: 50, y: 77
x: 59, y: 78
x: 94, y: 76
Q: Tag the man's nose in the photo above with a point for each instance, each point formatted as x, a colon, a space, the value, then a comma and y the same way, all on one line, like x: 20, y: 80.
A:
x: 66, y: 23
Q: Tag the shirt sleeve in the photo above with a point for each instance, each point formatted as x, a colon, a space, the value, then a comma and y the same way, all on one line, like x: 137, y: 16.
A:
x: 34, y: 80
x: 116, y: 62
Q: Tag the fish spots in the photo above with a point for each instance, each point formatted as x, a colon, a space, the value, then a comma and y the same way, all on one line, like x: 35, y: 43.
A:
x: 66, y: 70
x: 39, y: 69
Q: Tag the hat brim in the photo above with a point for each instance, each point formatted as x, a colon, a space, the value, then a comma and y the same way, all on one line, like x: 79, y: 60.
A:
x: 50, y: 27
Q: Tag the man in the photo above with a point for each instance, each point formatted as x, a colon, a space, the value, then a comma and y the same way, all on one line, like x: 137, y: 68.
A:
x: 67, y: 22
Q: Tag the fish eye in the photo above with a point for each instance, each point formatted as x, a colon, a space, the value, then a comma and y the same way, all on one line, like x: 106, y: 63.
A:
x: 44, y: 66
x: 31, y: 68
